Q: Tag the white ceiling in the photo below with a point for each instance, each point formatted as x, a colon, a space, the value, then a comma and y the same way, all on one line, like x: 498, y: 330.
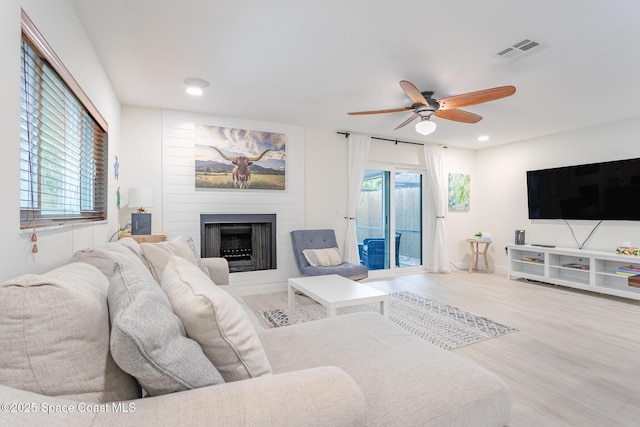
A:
x: 307, y: 63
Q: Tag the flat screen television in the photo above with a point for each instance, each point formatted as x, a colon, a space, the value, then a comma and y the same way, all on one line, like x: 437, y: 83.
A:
x: 595, y: 191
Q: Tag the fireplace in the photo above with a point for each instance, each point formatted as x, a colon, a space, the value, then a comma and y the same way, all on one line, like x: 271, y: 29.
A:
x: 246, y: 241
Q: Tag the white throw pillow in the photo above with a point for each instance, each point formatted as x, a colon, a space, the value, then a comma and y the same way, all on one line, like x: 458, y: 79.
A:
x: 106, y: 258
x: 326, y: 257
x: 157, y: 254
x: 214, y: 319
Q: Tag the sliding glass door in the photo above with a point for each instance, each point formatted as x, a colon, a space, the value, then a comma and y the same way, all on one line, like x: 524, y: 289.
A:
x: 372, y: 219
x: 408, y: 219
x: 389, y: 219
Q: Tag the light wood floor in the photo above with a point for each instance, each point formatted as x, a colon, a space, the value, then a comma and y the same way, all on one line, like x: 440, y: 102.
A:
x: 575, y: 360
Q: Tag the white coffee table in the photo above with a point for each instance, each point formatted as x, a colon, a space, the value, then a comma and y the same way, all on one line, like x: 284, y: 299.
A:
x: 333, y: 291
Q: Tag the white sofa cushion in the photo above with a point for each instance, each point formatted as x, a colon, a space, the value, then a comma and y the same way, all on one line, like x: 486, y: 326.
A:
x: 157, y: 254
x: 406, y: 380
x: 215, y: 320
x: 149, y: 342
x: 54, y: 330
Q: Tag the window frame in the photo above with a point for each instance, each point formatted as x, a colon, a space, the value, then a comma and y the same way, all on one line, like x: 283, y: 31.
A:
x: 95, y: 180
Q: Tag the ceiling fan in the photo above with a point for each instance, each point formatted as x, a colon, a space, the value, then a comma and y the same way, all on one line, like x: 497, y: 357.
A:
x: 424, y: 106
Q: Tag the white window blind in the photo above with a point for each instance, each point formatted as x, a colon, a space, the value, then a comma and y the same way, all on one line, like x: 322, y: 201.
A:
x: 63, y: 149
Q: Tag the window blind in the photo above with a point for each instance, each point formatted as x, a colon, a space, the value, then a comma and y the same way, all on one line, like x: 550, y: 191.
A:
x: 63, y: 149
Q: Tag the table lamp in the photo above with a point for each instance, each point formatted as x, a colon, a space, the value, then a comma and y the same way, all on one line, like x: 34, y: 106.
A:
x: 140, y: 198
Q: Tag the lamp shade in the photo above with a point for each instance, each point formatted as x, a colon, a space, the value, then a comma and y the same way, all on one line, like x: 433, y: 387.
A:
x: 140, y: 198
x: 425, y: 126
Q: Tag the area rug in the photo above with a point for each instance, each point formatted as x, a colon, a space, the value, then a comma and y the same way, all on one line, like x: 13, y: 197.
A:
x: 443, y: 325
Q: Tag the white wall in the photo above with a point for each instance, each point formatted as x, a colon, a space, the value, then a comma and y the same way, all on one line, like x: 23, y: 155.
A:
x: 140, y: 160
x: 463, y: 225
x: 325, y: 181
x: 502, y: 192
x: 58, y: 22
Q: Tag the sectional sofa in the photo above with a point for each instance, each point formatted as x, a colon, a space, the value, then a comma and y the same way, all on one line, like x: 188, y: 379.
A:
x: 152, y: 335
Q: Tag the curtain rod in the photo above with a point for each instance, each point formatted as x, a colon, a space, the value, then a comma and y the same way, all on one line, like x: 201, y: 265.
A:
x: 396, y: 141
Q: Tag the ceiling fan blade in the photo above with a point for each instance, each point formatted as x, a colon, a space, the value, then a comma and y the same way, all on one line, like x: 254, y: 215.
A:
x: 392, y: 110
x: 477, y: 97
x: 458, y: 116
x: 412, y: 92
x: 406, y: 122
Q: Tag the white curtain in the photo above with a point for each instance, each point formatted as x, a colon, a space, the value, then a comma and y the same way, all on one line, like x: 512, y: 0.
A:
x: 358, y: 156
x: 437, y: 259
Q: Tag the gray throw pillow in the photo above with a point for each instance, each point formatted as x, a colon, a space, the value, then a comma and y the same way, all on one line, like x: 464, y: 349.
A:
x: 148, y: 341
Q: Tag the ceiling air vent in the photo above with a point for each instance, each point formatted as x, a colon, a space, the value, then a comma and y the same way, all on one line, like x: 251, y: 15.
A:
x: 523, y: 47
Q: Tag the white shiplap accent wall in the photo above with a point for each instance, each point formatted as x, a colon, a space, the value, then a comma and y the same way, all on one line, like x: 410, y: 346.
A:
x: 182, y: 204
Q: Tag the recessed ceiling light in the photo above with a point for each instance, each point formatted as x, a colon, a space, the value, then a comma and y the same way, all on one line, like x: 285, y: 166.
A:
x: 195, y: 91
x: 483, y: 138
x: 195, y: 86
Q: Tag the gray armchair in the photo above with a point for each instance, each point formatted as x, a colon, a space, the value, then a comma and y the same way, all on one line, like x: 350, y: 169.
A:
x: 321, y: 239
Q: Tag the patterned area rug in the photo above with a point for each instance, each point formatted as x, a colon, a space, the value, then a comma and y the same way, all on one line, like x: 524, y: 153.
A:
x: 443, y: 325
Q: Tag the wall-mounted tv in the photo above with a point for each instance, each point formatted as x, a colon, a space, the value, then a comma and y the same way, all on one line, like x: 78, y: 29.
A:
x: 595, y: 191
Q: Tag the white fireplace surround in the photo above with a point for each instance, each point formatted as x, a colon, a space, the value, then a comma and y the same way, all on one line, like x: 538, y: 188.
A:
x: 183, y: 204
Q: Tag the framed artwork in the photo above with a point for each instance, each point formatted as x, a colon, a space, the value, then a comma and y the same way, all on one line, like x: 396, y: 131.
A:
x: 239, y: 158
x: 459, y: 186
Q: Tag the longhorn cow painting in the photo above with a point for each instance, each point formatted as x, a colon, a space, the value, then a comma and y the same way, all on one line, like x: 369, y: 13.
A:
x: 239, y: 158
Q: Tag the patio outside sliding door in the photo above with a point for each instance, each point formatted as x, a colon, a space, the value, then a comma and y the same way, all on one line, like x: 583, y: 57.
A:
x: 372, y: 219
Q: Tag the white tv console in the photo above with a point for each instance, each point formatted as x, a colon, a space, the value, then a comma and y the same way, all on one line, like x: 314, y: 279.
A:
x: 576, y: 268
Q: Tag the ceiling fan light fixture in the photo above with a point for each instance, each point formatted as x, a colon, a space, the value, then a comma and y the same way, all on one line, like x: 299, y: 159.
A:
x: 425, y: 126
x: 195, y: 86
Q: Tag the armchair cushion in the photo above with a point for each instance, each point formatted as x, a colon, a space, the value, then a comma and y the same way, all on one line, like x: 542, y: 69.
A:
x: 322, y: 239
x: 326, y: 257
x: 149, y: 342
x: 215, y: 320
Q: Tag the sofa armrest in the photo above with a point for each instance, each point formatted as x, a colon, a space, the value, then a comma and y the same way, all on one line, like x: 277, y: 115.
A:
x: 218, y: 269
x: 24, y: 408
x: 311, y: 397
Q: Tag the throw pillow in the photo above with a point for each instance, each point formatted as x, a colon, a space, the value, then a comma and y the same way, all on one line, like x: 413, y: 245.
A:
x: 326, y: 257
x: 106, y: 258
x: 149, y: 342
x: 201, y: 265
x: 157, y: 254
x: 55, y: 336
x: 134, y: 247
x: 215, y: 320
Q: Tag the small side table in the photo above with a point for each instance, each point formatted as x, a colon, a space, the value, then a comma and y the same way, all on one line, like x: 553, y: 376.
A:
x: 145, y: 238
x: 475, y: 253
